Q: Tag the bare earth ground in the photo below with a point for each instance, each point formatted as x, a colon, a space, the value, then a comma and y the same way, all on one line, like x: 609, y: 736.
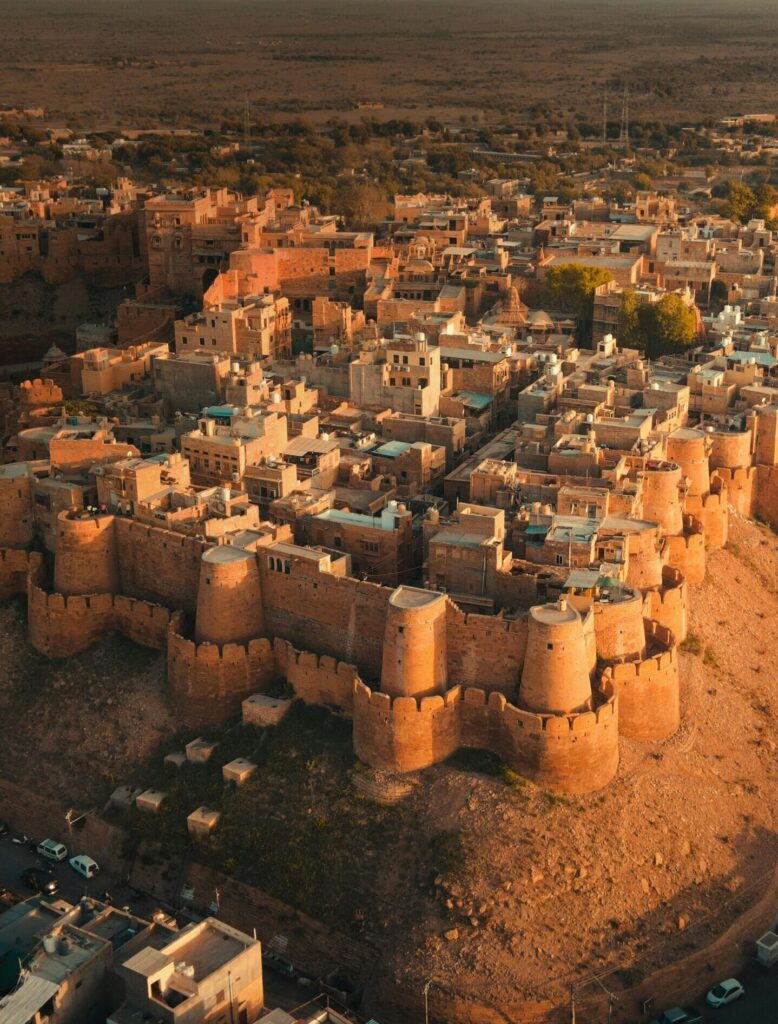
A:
x: 532, y: 890
x: 193, y: 61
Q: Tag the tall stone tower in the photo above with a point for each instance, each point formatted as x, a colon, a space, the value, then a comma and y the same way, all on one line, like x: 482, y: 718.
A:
x: 229, y: 597
x: 662, y: 501
x: 689, y: 448
x: 555, y: 679
x: 85, y: 555
x: 414, y: 655
x: 766, y: 446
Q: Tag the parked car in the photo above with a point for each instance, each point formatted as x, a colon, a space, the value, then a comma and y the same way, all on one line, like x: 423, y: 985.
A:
x: 40, y: 880
x: 51, y: 849
x: 679, y: 1015
x: 84, y: 865
x: 725, y: 992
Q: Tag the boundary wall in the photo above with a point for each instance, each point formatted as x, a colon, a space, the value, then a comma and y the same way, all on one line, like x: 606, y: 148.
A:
x: 208, y: 683
x: 316, y: 678
x: 60, y: 626
x: 741, y: 485
x: 713, y: 512
x: 687, y: 551
x: 158, y: 565
x: 766, y: 496
x: 575, y: 753
x: 15, y: 567
x: 649, y: 690
x: 669, y: 606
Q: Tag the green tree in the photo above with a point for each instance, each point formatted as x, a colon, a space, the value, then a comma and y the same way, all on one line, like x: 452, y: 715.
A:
x: 569, y: 288
x: 740, y: 202
x: 656, y: 328
x: 361, y: 204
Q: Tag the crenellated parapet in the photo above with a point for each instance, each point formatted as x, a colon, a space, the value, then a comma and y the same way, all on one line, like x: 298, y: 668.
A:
x: 15, y: 567
x: 712, y: 510
x: 741, y: 487
x: 667, y: 604
x: 574, y: 753
x: 686, y: 552
x: 316, y: 678
x: 207, y: 683
x: 60, y: 626
x: 648, y: 690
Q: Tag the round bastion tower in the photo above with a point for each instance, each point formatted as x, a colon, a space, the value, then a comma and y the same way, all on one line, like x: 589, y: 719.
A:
x: 689, y: 448
x: 85, y: 555
x: 229, y: 597
x: 555, y: 679
x: 414, y: 654
x: 662, y: 485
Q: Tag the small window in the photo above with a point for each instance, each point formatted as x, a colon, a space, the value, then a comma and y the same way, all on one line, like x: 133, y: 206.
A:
x: 550, y: 647
x: 560, y: 559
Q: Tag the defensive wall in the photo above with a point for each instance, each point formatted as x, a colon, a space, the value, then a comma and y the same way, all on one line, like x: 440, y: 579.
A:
x: 316, y: 678
x: 60, y: 626
x: 15, y: 567
x: 17, y: 524
x: 686, y: 552
x: 667, y: 605
x: 158, y: 565
x: 766, y: 497
x: 713, y: 512
x: 648, y: 690
x: 565, y: 753
x: 741, y: 485
x: 207, y: 682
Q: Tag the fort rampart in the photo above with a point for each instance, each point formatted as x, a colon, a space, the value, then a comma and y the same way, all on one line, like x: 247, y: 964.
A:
x: 686, y: 552
x: 15, y: 567
x: 575, y: 753
x: 741, y: 487
x: 648, y: 690
x: 668, y: 604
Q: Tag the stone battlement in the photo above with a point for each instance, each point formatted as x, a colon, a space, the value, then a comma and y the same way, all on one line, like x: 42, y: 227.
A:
x: 648, y: 690
x: 567, y: 753
x: 668, y: 604
x: 15, y: 567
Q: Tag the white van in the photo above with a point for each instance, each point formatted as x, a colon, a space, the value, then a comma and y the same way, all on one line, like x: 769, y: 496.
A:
x: 84, y: 865
x: 52, y: 850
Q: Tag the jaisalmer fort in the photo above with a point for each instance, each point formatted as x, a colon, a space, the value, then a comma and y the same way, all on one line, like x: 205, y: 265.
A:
x: 388, y: 570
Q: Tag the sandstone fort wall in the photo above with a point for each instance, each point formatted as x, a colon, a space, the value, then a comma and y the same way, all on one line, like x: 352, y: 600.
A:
x: 741, y: 487
x: 668, y: 605
x: 208, y: 683
x: 316, y: 679
x: 15, y: 566
x: 648, y: 691
x: 687, y: 551
x: 158, y: 565
x: 766, y: 499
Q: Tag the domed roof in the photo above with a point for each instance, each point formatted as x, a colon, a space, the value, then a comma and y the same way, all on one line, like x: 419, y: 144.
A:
x: 54, y: 354
x: 540, y: 320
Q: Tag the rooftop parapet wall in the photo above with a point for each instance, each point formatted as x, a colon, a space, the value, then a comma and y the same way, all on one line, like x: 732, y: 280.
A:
x: 208, y: 684
x: 648, y: 691
x: 15, y: 567
x: 668, y: 604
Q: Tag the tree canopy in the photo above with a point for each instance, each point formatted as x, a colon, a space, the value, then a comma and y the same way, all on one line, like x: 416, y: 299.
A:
x: 569, y: 288
x: 656, y: 328
x: 744, y: 203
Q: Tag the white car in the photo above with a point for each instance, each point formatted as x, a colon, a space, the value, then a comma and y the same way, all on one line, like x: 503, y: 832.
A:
x: 84, y: 865
x: 725, y: 992
x: 52, y: 850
